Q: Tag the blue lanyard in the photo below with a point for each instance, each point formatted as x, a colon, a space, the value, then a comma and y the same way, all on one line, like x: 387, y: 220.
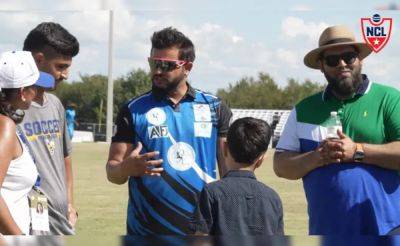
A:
x: 26, y: 142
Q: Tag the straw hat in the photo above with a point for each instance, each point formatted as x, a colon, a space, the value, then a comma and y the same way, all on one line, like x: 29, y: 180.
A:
x: 332, y: 37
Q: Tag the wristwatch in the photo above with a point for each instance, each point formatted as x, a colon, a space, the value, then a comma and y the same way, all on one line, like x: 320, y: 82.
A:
x: 359, y: 154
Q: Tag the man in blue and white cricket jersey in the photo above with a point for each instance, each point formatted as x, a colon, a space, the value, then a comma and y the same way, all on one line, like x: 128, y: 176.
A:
x: 167, y: 142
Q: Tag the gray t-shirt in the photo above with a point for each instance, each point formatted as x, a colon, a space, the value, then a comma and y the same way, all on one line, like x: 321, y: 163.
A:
x: 45, y: 128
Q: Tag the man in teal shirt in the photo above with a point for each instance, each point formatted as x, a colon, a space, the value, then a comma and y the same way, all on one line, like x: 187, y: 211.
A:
x: 70, y: 117
x: 351, y: 183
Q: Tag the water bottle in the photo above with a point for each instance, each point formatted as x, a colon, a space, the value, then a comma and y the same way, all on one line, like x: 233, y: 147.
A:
x: 333, y: 125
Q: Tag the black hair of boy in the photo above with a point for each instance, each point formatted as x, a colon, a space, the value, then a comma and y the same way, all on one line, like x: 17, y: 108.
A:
x: 247, y: 139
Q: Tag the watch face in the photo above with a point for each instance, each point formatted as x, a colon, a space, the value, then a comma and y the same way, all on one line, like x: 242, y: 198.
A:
x: 359, y: 156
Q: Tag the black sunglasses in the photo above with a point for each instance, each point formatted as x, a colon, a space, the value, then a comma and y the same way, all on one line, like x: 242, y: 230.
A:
x: 348, y: 57
x: 165, y: 65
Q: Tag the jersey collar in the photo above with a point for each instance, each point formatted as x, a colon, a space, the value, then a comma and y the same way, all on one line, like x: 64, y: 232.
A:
x: 190, y: 93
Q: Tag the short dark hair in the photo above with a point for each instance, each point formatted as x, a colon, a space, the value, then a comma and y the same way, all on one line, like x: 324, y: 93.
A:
x: 53, y: 35
x: 170, y: 37
x: 248, y: 138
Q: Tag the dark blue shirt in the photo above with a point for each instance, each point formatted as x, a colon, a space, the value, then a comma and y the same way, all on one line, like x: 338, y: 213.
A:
x: 238, y: 205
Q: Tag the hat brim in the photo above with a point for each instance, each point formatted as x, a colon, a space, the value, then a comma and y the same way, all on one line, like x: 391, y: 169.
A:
x: 312, y: 58
x: 45, y: 80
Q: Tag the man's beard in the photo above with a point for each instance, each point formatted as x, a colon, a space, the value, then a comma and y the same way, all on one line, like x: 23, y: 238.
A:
x: 345, y: 87
x: 170, y: 86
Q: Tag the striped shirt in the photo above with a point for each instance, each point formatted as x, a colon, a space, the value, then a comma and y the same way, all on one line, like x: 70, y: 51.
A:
x: 186, y: 136
x: 349, y: 198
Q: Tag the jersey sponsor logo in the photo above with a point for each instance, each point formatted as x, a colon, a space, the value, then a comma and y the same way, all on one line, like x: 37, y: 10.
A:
x: 158, y: 131
x: 156, y: 116
x: 181, y: 156
x: 376, y: 31
x: 202, y: 112
x: 202, y: 129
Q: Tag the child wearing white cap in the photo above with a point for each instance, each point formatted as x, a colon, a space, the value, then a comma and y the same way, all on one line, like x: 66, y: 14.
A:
x: 19, y: 77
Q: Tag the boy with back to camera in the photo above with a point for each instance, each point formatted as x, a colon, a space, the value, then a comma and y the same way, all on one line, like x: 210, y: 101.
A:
x: 238, y: 204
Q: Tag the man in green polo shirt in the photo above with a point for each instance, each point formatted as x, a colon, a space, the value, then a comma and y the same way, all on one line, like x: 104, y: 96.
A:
x: 351, y: 183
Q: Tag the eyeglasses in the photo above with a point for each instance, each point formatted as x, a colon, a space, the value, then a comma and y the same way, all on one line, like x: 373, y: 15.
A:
x: 165, y: 65
x: 348, y: 57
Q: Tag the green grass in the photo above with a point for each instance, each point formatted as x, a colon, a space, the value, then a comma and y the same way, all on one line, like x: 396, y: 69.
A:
x: 102, y: 205
x: 292, y: 196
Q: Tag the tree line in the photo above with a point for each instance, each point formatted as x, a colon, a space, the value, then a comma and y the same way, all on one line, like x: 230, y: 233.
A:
x: 262, y: 92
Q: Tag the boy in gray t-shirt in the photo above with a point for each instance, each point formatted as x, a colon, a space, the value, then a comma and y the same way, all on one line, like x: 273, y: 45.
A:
x: 52, y: 47
x: 44, y: 127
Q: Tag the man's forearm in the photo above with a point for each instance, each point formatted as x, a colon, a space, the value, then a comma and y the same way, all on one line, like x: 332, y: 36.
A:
x: 69, y: 179
x: 384, y: 155
x: 72, y: 213
x: 222, y: 168
x: 292, y: 165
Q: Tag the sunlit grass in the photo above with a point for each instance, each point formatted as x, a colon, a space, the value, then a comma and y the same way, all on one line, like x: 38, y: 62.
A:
x: 102, y: 205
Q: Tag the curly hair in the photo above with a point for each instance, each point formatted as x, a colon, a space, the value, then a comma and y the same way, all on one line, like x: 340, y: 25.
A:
x: 17, y: 115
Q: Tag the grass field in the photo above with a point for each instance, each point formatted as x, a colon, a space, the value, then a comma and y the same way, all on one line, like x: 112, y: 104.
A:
x: 102, y: 205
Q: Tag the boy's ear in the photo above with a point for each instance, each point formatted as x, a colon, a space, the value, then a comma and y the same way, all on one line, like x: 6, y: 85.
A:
x: 225, y: 148
x: 260, y: 160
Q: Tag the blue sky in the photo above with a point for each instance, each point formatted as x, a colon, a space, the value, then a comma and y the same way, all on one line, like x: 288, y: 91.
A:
x: 233, y: 39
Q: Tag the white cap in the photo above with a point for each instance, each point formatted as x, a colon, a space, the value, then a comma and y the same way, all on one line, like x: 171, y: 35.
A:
x: 333, y: 113
x: 18, y: 69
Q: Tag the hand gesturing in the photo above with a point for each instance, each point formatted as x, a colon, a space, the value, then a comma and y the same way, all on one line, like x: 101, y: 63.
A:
x: 137, y: 164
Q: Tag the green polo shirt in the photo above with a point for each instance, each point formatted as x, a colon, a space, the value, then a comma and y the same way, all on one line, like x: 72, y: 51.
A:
x: 349, y: 198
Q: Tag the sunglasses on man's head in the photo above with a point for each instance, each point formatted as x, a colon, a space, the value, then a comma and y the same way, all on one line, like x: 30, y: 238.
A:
x: 165, y: 65
x: 348, y: 57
